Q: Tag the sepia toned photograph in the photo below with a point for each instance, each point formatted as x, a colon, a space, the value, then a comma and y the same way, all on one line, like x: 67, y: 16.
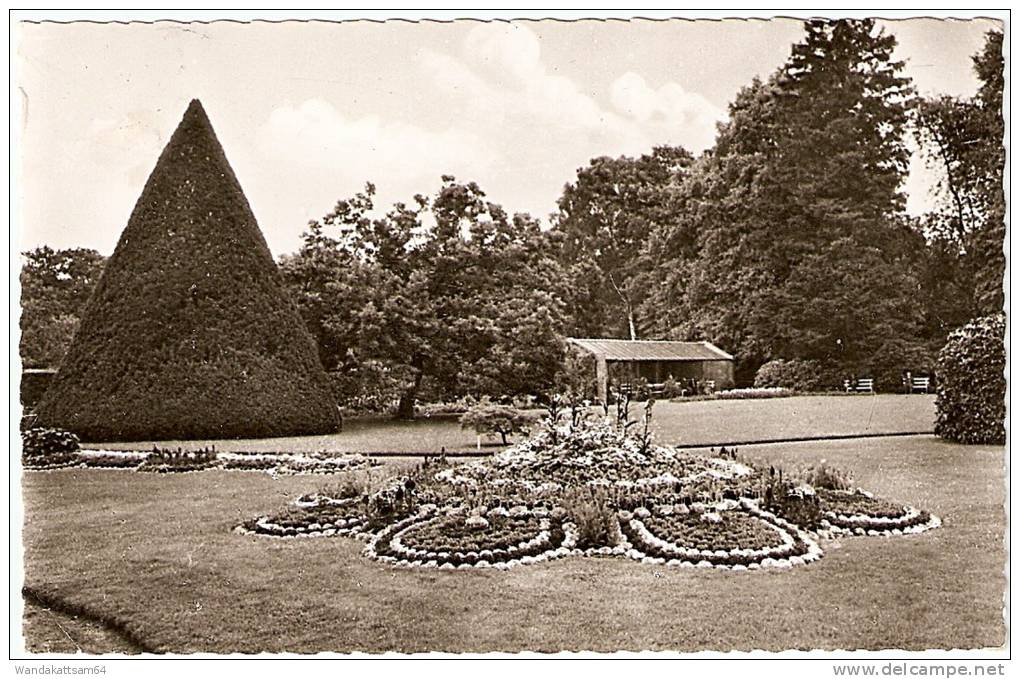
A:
x: 485, y: 335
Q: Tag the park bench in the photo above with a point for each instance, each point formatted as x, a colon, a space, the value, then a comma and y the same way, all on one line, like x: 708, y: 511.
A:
x: 866, y: 385
x: 921, y: 384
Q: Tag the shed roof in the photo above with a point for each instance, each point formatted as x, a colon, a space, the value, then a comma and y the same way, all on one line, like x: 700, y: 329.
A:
x: 648, y: 350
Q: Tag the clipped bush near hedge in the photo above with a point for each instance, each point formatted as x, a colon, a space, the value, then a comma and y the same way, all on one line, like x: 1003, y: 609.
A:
x: 970, y: 397
x: 190, y: 333
x: 43, y: 448
x: 797, y: 375
x: 40, y: 441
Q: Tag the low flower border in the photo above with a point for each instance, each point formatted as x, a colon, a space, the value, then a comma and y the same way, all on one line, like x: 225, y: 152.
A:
x: 566, y: 548
x: 911, y: 523
x: 281, y: 467
x: 313, y: 530
x: 719, y: 468
x: 755, y: 559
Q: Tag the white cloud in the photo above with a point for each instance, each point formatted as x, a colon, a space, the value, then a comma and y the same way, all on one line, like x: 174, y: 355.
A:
x: 506, y: 49
x: 669, y: 108
x: 315, y: 134
x: 501, y: 77
x: 321, y: 155
x: 512, y: 124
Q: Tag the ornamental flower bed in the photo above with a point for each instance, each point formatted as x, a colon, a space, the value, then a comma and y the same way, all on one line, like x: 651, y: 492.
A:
x: 860, y: 513
x: 480, y: 538
x: 597, y: 456
x: 178, y: 461
x: 596, y: 488
x: 331, y: 465
x: 112, y: 461
x: 250, y: 464
x: 730, y: 535
x: 324, y: 521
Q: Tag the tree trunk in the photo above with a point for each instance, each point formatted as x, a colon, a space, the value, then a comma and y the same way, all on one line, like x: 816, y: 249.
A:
x: 625, y: 298
x: 405, y: 408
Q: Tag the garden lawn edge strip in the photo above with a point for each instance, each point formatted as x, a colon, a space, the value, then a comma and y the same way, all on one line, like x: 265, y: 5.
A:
x: 110, y: 623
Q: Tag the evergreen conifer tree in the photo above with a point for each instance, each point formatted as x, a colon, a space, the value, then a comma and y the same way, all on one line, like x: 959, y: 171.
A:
x: 190, y: 332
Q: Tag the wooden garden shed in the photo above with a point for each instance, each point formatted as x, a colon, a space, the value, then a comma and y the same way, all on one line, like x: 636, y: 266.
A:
x: 620, y: 361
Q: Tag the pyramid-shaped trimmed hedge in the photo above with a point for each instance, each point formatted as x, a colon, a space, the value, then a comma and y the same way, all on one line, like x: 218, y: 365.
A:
x: 190, y: 333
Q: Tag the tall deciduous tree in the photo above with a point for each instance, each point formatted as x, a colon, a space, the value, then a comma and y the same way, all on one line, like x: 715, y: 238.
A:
x: 450, y: 295
x: 963, y: 139
x: 55, y: 285
x: 605, y: 217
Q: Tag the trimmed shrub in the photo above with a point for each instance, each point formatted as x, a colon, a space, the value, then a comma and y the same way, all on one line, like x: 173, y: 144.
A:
x: 42, y: 447
x: 42, y: 441
x: 970, y: 396
x: 798, y: 375
x: 189, y: 333
x: 490, y: 419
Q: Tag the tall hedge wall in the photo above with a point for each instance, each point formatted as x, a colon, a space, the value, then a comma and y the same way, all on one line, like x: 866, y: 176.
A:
x: 189, y: 332
x: 970, y: 402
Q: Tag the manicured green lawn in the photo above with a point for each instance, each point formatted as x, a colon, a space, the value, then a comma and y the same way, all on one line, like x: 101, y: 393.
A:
x: 688, y: 423
x: 156, y: 554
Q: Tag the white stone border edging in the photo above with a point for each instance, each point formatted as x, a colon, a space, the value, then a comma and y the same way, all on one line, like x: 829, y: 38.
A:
x: 763, y: 558
x: 396, y: 530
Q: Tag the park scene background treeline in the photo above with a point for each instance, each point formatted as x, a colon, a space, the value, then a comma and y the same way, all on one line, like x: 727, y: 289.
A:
x: 787, y: 244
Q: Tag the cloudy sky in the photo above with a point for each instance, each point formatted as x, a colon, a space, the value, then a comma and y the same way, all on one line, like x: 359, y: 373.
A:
x: 308, y: 113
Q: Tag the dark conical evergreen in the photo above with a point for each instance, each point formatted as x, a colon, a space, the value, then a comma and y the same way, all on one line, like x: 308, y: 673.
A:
x: 190, y: 332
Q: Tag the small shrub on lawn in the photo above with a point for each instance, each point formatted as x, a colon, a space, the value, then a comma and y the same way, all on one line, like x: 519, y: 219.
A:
x: 796, y: 374
x: 970, y: 396
x: 489, y: 419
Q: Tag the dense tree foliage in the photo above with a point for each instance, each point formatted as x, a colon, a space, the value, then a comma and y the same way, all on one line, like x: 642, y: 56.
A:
x: 450, y: 296
x: 801, y: 248
x: 189, y: 332
x: 787, y: 244
x: 606, y: 216
x: 963, y: 140
x: 55, y: 285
